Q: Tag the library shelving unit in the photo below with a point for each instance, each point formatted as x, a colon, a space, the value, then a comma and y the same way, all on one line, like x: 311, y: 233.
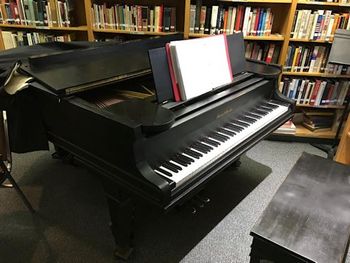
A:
x: 85, y: 26
x: 301, y: 132
x: 14, y: 20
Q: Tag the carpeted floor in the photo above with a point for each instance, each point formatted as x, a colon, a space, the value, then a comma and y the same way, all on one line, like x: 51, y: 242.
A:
x: 71, y: 224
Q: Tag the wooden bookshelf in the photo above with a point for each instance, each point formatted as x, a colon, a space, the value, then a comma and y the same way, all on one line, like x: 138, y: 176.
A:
x: 301, y: 131
x: 25, y: 27
x: 309, y: 41
x: 321, y: 106
x: 115, y: 31
x: 283, y: 10
x: 274, y: 37
x: 315, y: 74
x: 323, y: 3
x: 259, y: 1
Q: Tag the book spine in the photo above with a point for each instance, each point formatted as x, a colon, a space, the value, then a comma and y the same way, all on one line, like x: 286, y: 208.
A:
x: 207, y: 20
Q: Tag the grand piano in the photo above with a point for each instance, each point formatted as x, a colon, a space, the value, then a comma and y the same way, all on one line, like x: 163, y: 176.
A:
x: 102, y: 107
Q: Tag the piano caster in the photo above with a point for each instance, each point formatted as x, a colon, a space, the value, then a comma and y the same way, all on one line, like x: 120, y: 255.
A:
x: 194, y: 211
x: 122, y: 253
x: 63, y: 155
x: 59, y: 153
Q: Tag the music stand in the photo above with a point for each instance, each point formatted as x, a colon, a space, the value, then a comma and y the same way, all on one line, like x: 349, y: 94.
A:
x: 6, y: 161
x: 339, y: 54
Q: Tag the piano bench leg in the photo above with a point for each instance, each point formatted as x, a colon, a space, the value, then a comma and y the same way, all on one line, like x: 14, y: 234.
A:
x: 122, y: 220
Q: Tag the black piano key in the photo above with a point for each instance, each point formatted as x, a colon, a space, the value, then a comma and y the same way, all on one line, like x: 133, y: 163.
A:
x: 246, y: 119
x: 253, y: 115
x: 240, y: 123
x: 194, y: 154
x: 270, y: 105
x: 205, y: 146
x: 211, y: 142
x: 219, y: 136
x: 201, y: 147
x: 233, y: 127
x: 226, y: 132
x: 260, y: 112
x: 164, y: 172
x: 179, y: 161
x: 279, y: 103
x: 264, y: 108
x: 172, y: 167
x: 184, y: 158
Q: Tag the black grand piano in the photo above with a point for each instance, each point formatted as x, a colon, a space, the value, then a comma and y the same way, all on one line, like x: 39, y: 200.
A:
x: 104, y: 107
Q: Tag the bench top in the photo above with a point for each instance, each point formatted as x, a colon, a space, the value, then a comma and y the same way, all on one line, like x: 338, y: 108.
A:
x: 310, y: 213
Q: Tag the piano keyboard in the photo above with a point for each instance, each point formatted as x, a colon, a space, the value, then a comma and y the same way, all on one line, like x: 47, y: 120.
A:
x: 200, y: 154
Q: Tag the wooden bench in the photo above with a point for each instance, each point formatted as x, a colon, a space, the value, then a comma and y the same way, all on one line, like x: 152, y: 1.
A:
x: 308, y: 219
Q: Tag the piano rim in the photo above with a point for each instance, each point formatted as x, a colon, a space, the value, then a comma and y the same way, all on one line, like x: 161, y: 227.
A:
x: 181, y: 194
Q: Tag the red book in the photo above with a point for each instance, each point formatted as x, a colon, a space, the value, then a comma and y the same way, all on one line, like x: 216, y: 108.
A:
x: 270, y: 53
x: 241, y: 19
x: 315, y: 92
x: 330, y: 93
x: 238, y: 18
x: 257, y: 18
x: 175, y: 87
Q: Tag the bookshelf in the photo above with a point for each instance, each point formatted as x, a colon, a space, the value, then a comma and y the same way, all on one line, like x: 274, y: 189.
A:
x: 83, y: 25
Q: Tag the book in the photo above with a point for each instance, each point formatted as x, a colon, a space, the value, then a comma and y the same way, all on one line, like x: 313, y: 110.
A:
x: 174, y: 82
x: 201, y: 65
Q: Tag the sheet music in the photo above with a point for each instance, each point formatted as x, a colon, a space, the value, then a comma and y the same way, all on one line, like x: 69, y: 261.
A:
x: 201, y: 65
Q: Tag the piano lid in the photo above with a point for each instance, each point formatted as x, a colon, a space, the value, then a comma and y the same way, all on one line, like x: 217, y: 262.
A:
x: 74, y: 71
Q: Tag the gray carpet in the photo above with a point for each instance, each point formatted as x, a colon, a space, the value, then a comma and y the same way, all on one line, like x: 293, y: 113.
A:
x: 72, y: 220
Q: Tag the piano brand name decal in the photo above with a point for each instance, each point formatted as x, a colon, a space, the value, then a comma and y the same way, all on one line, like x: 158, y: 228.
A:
x: 227, y: 111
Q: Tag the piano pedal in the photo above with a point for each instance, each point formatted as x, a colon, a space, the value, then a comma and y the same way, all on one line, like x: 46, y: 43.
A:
x: 236, y: 164
x: 198, y: 201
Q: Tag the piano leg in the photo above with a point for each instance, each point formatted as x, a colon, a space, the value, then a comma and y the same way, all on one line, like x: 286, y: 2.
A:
x: 122, y: 219
x: 63, y: 155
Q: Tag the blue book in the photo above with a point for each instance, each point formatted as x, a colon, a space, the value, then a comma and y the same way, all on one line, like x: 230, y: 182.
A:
x: 262, y: 22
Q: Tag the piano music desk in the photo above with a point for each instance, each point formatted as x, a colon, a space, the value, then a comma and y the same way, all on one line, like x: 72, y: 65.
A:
x: 308, y: 219
x: 343, y: 152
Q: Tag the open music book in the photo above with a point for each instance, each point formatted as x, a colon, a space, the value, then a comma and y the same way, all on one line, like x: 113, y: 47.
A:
x: 200, y: 65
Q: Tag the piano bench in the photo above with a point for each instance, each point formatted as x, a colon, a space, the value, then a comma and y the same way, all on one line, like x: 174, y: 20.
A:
x: 308, y: 219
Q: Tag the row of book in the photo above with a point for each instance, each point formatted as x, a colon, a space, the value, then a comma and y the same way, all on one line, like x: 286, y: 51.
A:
x: 305, y: 58
x: 55, y: 13
x: 318, y: 24
x: 315, y: 92
x: 318, y: 120
x: 329, y: 1
x: 218, y: 19
x: 337, y: 69
x: 134, y: 17
x: 17, y: 39
x: 287, y: 128
x: 268, y: 52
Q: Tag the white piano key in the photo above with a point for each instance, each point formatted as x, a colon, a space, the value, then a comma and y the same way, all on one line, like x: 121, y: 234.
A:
x: 223, y: 148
